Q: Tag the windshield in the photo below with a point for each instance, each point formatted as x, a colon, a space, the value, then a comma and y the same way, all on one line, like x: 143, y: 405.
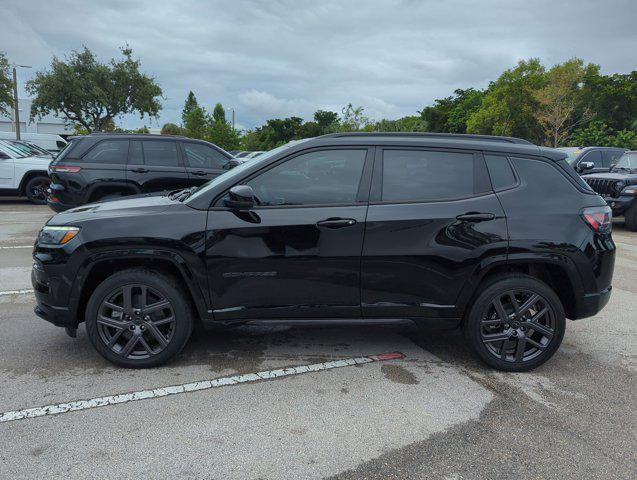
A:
x: 572, y: 152
x: 13, y: 150
x: 29, y: 148
x: 237, y: 171
x: 627, y: 161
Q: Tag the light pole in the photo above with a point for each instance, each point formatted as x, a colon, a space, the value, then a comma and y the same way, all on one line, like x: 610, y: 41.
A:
x: 16, y: 109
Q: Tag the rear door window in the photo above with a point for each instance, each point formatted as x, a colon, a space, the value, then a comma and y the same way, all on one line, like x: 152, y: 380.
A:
x: 500, y: 171
x: 425, y: 176
x: 160, y: 153
x: 108, y: 151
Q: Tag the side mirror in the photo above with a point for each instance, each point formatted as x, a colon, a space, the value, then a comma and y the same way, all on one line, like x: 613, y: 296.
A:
x: 231, y: 164
x: 586, y: 166
x: 240, y: 197
x: 4, y: 156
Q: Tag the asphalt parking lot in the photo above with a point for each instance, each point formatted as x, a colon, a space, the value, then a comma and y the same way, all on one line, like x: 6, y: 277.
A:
x: 436, y: 413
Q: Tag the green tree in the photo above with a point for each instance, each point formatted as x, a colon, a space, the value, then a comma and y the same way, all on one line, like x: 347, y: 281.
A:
x: 509, y: 105
x: 219, y: 114
x: 597, y: 133
x: 90, y: 93
x: 353, y: 119
x: 196, y: 123
x: 558, y: 100
x: 220, y: 132
x: 189, y: 105
x: 6, y: 86
x: 613, y: 98
x: 413, y: 123
x: 328, y: 122
x: 450, y: 114
x: 172, y: 129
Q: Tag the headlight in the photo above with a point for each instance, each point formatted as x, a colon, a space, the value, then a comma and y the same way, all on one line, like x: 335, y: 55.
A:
x: 630, y: 190
x: 53, y: 235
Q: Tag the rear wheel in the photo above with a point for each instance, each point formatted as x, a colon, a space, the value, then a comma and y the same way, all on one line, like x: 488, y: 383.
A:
x: 138, y: 318
x: 631, y: 217
x: 516, y: 323
x: 36, y: 189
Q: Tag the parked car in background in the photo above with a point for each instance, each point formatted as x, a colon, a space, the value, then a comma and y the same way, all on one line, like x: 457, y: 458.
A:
x: 592, y: 159
x: 48, y: 141
x: 492, y: 234
x: 103, y: 166
x: 23, y: 171
x: 619, y: 188
x: 31, y: 148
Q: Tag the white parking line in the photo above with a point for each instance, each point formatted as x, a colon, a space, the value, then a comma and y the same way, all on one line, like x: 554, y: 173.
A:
x: 16, y: 246
x: 190, y: 387
x: 17, y: 292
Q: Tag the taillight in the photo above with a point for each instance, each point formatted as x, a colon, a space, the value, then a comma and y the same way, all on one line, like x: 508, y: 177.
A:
x: 600, y: 219
x: 64, y: 169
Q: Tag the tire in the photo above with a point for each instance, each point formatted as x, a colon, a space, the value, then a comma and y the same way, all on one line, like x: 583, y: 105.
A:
x: 498, y: 336
x: 631, y: 217
x: 112, y: 326
x: 35, y: 189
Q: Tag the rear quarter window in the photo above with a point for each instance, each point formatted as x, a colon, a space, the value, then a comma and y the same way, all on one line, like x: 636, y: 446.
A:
x: 108, y: 151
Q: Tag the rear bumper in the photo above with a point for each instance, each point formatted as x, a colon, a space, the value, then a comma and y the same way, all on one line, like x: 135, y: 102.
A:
x: 591, y: 304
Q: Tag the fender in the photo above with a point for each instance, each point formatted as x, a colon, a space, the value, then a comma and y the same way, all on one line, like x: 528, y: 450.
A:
x: 108, y: 184
x: 191, y: 277
x: 527, y: 258
x: 27, y: 176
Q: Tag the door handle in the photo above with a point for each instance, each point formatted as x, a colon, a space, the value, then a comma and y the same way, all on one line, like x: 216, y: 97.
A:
x: 200, y: 173
x: 140, y: 170
x: 475, y: 217
x: 336, y: 222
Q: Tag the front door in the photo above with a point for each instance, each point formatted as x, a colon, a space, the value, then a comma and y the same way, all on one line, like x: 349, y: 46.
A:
x: 297, y: 254
x: 203, y: 162
x: 7, y: 170
x: 156, y: 166
x: 432, y: 220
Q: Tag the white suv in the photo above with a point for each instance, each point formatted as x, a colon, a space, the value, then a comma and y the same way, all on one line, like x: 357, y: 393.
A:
x: 23, y: 170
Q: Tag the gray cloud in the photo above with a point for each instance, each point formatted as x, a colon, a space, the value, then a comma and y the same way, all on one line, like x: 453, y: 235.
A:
x: 283, y: 58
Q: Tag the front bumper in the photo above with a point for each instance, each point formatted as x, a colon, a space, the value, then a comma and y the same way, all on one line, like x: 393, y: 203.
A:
x: 620, y: 204
x: 46, y: 290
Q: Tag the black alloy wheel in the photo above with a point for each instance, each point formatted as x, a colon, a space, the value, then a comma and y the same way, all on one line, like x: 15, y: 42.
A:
x: 517, y: 326
x: 136, y: 321
x: 139, y: 318
x: 516, y: 322
x: 36, y: 190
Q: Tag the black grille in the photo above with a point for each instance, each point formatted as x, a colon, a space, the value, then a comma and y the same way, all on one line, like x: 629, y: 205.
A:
x: 602, y: 186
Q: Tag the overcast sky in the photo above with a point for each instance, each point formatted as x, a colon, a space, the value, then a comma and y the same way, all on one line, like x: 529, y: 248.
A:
x: 282, y: 58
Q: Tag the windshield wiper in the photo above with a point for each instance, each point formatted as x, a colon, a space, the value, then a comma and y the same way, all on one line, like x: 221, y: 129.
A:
x: 181, y: 195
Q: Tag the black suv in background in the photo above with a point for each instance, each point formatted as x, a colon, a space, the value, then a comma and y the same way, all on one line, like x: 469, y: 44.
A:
x: 619, y: 188
x: 103, y: 166
x: 492, y: 234
x: 592, y: 159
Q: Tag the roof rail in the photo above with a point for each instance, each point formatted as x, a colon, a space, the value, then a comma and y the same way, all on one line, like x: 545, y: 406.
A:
x: 447, y: 136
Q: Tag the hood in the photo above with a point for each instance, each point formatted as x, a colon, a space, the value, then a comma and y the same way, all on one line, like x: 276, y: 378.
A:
x: 137, y: 205
x: 623, y: 176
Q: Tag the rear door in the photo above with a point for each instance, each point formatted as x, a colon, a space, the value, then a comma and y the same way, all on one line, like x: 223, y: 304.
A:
x: 203, y: 162
x: 156, y: 165
x: 433, y: 220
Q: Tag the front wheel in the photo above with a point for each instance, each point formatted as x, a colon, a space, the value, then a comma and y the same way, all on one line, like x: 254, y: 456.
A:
x: 36, y: 188
x: 516, y: 323
x: 138, y: 318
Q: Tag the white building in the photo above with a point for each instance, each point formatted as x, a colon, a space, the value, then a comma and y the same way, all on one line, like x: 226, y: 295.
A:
x: 47, y: 124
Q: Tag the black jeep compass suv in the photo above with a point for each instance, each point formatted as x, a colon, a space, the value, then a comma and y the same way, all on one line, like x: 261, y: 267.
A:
x: 103, y: 166
x: 492, y: 234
